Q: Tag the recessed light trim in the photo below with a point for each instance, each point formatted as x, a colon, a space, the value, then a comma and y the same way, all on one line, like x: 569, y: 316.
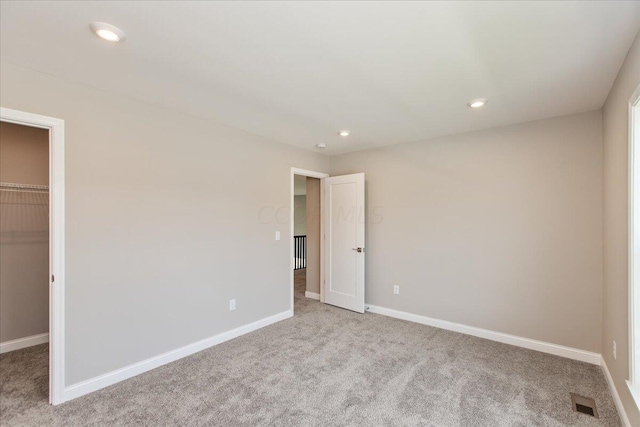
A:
x: 477, y: 103
x: 344, y: 133
x: 107, y: 32
x: 321, y: 145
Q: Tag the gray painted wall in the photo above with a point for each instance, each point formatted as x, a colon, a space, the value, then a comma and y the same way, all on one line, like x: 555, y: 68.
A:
x: 300, y: 215
x: 313, y: 235
x: 24, y: 233
x: 615, y: 115
x: 163, y: 212
x: 498, y: 229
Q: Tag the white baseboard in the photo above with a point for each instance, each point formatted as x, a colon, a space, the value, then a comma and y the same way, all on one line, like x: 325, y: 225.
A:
x: 12, y: 345
x: 312, y: 295
x: 110, y: 378
x: 614, y: 393
x: 545, y: 347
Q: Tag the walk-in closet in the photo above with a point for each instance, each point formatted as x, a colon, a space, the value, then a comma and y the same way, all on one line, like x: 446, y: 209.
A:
x: 24, y: 242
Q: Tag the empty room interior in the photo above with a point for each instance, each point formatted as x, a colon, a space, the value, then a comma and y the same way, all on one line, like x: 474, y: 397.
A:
x: 359, y: 213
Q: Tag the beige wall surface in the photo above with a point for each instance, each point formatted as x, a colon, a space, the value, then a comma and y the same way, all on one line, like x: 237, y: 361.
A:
x: 163, y: 211
x: 300, y: 215
x: 313, y: 235
x: 24, y: 233
x: 498, y: 229
x: 615, y: 119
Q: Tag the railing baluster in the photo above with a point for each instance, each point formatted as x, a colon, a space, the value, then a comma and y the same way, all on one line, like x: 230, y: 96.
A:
x: 299, y: 252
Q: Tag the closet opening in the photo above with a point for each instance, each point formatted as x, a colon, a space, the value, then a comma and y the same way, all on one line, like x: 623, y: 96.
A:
x: 24, y: 258
x: 31, y: 256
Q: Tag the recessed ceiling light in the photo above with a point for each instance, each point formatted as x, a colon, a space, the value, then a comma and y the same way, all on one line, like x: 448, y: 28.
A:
x: 321, y: 145
x: 344, y: 133
x: 477, y: 103
x: 107, y: 31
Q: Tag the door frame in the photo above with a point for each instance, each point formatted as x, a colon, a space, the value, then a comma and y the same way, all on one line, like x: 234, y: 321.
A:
x: 634, y: 245
x: 320, y: 176
x: 56, y: 243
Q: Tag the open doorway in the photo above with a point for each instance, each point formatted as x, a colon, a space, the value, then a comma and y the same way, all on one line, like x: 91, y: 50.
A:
x: 32, y: 256
x: 24, y: 258
x: 335, y: 216
x: 306, y: 237
x: 306, y: 245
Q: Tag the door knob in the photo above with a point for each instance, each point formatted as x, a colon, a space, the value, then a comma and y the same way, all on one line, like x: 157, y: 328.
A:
x: 358, y: 249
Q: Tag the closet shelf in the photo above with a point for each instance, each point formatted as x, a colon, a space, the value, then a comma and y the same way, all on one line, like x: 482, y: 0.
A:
x: 12, y: 186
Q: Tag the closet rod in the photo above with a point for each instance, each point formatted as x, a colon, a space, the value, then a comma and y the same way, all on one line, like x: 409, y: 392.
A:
x: 12, y: 186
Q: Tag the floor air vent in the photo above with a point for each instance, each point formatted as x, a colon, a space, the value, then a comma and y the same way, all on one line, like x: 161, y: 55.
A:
x: 584, y: 405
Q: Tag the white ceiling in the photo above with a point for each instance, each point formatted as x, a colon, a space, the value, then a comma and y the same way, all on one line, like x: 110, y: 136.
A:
x: 297, y: 72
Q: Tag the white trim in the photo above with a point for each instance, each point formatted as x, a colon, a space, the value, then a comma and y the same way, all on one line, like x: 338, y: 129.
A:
x: 634, y: 245
x: 110, y: 378
x: 545, y: 347
x: 312, y: 295
x: 310, y: 174
x: 614, y: 393
x: 21, y: 343
x: 635, y: 393
x: 322, y: 240
x: 56, y: 242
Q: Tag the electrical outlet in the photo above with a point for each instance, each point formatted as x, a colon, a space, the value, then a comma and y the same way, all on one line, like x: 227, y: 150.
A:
x: 615, y: 351
x: 277, y: 235
x: 232, y: 305
x: 396, y: 290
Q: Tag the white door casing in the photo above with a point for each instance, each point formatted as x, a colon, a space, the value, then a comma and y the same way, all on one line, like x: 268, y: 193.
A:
x: 344, y: 228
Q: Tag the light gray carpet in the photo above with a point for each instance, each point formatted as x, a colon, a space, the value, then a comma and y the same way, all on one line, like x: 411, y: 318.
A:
x: 326, y: 366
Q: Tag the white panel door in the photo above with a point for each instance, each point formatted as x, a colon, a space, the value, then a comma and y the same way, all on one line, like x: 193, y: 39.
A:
x: 344, y: 221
